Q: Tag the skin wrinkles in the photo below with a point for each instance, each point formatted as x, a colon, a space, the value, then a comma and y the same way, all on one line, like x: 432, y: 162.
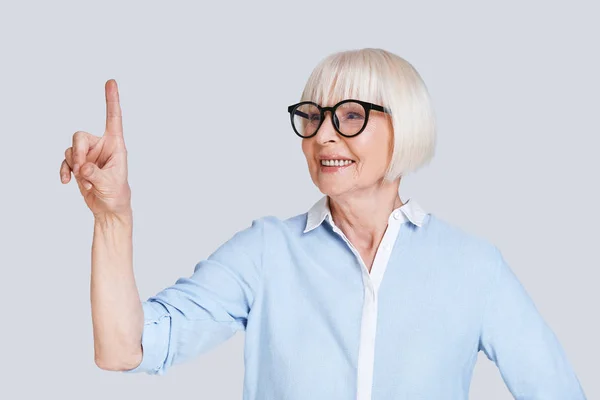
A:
x: 359, y: 200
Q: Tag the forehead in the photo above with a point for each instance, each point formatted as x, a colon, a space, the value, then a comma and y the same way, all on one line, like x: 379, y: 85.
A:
x: 331, y: 86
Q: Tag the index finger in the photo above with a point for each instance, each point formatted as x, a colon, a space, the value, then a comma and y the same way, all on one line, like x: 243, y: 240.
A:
x: 114, y: 120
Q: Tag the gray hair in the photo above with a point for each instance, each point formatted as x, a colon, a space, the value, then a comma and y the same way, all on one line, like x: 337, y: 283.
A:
x: 381, y: 77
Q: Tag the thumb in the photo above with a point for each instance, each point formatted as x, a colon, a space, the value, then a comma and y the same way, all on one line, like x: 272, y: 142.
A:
x: 91, y: 172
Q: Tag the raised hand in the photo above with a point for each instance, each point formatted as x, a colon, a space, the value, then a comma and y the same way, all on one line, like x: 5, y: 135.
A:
x: 99, y: 164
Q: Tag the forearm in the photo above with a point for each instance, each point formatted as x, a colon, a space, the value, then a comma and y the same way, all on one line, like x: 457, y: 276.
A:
x: 117, y: 314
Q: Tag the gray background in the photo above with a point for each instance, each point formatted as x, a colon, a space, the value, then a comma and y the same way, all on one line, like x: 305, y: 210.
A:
x: 515, y: 86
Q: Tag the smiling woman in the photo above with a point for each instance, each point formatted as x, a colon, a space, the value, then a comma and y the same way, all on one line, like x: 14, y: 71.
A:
x: 406, y: 137
x: 364, y: 296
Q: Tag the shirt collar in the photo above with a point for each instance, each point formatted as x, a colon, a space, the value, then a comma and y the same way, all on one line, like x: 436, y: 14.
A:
x: 320, y: 210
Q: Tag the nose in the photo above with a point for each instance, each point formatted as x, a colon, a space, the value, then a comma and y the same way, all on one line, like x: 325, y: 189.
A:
x: 326, y: 131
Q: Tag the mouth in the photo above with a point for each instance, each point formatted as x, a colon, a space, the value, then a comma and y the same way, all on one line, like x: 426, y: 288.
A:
x: 333, y: 166
x: 336, y: 163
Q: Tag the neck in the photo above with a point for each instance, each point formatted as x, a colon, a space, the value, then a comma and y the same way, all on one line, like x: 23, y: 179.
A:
x: 363, y: 214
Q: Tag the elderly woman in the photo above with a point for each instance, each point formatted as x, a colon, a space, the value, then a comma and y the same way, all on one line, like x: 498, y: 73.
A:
x: 364, y: 296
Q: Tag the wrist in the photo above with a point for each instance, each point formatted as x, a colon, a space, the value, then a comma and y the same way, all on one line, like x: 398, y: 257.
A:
x: 108, y: 220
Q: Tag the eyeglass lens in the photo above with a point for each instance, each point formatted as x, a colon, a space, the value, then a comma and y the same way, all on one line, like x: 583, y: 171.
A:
x: 349, y: 118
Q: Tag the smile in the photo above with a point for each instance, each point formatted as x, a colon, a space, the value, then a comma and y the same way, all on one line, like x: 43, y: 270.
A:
x: 336, y: 163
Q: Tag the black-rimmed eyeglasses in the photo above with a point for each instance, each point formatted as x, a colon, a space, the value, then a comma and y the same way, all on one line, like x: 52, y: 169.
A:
x: 349, y: 117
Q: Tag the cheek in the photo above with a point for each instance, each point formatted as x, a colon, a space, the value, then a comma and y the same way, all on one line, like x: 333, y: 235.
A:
x: 308, y: 151
x: 373, y: 143
x: 305, y: 148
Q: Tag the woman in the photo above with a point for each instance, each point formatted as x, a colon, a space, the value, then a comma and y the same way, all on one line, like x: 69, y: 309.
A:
x: 364, y: 296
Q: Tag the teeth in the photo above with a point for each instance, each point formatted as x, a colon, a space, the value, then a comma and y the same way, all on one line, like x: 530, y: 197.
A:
x: 336, y: 163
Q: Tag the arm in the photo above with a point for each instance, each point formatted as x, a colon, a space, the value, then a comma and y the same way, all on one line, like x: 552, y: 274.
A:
x: 116, y: 309
x: 526, y: 351
x: 198, y: 312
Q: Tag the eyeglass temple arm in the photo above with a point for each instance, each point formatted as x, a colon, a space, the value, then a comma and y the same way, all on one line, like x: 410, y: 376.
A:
x: 300, y: 113
x: 380, y: 108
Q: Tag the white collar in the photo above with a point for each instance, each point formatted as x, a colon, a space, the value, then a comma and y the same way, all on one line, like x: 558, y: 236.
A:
x: 320, y: 210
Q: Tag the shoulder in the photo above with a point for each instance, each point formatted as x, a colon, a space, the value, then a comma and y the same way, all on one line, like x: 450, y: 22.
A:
x: 450, y: 234
x: 271, y: 227
x: 455, y: 242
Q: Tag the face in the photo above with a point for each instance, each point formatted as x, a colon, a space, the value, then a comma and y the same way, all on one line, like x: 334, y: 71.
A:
x: 370, y: 152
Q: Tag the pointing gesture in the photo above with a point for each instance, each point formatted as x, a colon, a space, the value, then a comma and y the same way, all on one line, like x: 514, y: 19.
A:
x: 99, y: 164
x: 114, y: 120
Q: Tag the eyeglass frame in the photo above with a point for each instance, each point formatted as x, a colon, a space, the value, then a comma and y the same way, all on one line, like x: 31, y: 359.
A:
x: 366, y: 106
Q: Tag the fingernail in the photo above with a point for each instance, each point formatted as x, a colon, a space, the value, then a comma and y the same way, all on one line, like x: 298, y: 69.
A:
x: 76, y: 168
x: 63, y: 178
x: 87, y: 185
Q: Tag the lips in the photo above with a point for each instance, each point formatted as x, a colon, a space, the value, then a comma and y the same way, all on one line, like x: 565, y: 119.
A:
x: 338, y: 157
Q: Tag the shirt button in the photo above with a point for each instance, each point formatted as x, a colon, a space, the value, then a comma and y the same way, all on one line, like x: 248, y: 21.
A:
x: 397, y: 214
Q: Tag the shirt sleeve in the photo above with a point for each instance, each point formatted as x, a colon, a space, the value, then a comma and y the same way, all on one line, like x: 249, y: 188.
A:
x: 198, y: 312
x: 517, y: 339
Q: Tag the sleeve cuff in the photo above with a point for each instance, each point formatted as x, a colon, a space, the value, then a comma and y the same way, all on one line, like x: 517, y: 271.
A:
x: 155, y: 339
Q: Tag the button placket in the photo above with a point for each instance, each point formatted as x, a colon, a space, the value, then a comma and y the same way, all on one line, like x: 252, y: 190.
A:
x: 370, y: 289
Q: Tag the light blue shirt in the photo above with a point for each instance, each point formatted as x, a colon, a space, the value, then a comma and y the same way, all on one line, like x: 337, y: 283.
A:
x: 320, y: 326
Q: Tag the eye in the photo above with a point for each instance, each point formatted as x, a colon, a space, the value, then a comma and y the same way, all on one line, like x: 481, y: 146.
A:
x: 314, y: 117
x: 353, y: 115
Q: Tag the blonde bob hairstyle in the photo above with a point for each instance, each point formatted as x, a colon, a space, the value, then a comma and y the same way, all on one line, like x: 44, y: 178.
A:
x: 381, y: 77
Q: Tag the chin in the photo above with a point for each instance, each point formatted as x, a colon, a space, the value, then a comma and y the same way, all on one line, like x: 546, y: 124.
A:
x: 332, y: 188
